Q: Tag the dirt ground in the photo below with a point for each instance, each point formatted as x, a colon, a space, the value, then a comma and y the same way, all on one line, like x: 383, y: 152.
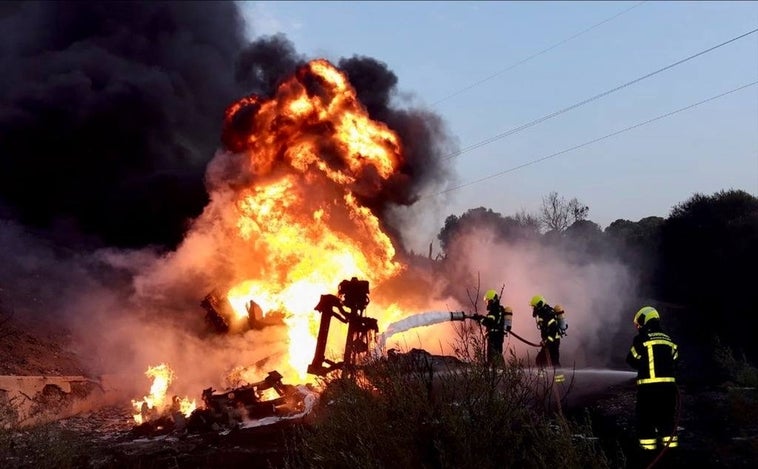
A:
x: 45, y: 352
x: 718, y: 425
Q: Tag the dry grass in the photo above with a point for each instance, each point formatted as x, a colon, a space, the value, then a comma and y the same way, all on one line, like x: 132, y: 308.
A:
x: 393, y: 415
x: 46, y: 445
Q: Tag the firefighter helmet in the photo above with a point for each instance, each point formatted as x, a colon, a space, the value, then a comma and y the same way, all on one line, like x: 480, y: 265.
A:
x: 537, y: 300
x: 508, y: 310
x: 645, y: 314
x: 558, y: 309
x: 490, y: 294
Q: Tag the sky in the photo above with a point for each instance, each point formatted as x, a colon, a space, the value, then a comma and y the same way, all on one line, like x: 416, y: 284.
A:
x: 489, y: 67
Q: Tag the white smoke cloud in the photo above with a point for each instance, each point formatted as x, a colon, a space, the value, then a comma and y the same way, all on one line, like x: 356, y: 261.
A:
x: 591, y: 291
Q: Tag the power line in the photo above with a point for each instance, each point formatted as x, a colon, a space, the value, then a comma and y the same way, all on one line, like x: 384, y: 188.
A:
x: 590, y: 142
x: 594, y: 98
x: 557, y: 44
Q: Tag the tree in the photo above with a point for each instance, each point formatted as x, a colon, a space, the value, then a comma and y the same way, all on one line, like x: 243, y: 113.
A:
x: 710, y: 250
x: 577, y: 211
x: 530, y: 223
x: 557, y: 214
x: 520, y: 226
x: 638, y: 245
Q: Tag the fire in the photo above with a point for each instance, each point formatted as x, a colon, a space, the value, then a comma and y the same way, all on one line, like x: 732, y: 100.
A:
x: 156, y: 402
x: 315, y: 158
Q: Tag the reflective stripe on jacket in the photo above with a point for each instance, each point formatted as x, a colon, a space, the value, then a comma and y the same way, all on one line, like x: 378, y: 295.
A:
x: 495, y: 319
x: 547, y: 322
x: 654, y: 355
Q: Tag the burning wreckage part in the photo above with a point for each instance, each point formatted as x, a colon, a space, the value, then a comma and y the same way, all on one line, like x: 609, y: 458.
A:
x: 155, y: 404
x: 221, y: 318
x: 249, y: 401
x: 361, y: 330
x: 270, y: 397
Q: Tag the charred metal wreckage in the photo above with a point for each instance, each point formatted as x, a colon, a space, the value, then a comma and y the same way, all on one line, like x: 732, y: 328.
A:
x: 221, y: 319
x: 270, y: 397
x: 248, y: 402
x: 349, y: 307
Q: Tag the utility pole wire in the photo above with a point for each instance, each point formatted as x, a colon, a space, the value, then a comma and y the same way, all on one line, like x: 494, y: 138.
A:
x: 527, y: 59
x: 590, y: 142
x: 594, y: 98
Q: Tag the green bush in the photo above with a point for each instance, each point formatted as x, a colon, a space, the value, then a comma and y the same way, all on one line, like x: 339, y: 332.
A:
x: 46, y: 445
x: 737, y: 370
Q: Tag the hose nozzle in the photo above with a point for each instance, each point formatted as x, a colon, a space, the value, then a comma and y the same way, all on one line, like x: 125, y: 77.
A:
x: 458, y: 316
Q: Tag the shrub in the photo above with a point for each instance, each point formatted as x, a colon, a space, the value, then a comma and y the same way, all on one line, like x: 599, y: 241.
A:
x: 737, y: 370
x: 473, y: 415
x: 46, y: 445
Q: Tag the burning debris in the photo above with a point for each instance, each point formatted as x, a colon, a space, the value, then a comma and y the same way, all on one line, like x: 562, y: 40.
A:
x: 155, y: 405
x: 222, y: 318
x: 269, y: 397
x: 157, y: 414
x: 266, y: 398
x: 361, y: 330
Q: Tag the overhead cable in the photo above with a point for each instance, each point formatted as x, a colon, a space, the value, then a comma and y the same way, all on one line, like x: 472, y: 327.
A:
x: 590, y: 142
x: 593, y: 98
x: 527, y: 59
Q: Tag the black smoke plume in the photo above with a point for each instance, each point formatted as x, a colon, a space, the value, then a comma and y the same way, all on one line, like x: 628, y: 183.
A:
x: 423, y: 133
x: 111, y: 111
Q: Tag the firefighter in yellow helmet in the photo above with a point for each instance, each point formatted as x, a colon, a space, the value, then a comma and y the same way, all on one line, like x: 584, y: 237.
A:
x: 654, y: 355
x: 550, y: 334
x: 498, y: 322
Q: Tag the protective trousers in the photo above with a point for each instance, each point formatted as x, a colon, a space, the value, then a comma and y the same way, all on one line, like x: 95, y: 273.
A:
x: 656, y: 409
x: 553, y: 348
x: 495, y: 347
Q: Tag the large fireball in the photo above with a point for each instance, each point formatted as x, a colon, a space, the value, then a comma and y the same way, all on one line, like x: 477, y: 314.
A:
x: 311, y: 158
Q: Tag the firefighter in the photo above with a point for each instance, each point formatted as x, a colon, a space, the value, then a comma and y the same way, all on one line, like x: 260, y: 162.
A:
x: 498, y: 323
x: 654, y: 355
x: 550, y: 335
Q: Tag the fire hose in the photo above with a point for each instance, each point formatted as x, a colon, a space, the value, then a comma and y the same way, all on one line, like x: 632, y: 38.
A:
x: 462, y: 316
x: 523, y: 339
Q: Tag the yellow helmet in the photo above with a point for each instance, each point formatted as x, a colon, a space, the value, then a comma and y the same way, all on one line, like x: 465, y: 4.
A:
x: 645, y: 314
x: 490, y: 294
x: 537, y: 300
x: 558, y: 309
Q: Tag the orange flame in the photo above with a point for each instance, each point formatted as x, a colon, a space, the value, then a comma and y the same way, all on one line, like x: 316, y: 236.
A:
x: 315, y: 157
x: 156, y: 402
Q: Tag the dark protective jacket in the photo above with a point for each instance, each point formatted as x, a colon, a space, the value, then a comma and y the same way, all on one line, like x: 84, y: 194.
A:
x: 547, y: 322
x: 494, y: 321
x: 653, y: 355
